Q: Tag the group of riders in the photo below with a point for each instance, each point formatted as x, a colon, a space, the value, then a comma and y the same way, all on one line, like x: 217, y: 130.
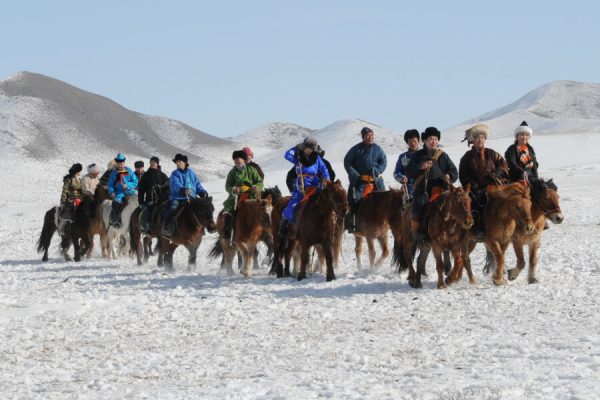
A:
x: 424, y: 172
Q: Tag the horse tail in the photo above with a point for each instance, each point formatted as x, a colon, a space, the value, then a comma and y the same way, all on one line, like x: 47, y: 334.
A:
x: 43, y: 243
x: 398, y: 256
x: 217, y: 250
x: 490, y: 262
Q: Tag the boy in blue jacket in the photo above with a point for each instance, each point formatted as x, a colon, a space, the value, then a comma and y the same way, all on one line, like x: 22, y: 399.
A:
x: 122, y: 183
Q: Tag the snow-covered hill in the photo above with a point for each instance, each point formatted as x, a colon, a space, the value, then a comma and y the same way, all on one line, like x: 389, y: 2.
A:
x: 273, y: 136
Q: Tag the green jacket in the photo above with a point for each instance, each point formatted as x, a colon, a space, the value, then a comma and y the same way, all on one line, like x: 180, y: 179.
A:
x: 243, y: 179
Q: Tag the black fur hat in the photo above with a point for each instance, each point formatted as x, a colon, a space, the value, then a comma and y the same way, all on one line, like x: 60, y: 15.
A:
x: 75, y: 168
x: 155, y: 159
x: 411, y: 133
x: 138, y: 164
x: 180, y: 157
x: 365, y: 130
x: 239, y: 154
x: 431, y: 131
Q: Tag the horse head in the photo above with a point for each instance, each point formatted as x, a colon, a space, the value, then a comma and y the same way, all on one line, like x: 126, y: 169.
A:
x: 338, y: 196
x: 517, y: 197
x: 203, y: 209
x: 545, y: 196
x: 274, y: 192
x: 266, y: 206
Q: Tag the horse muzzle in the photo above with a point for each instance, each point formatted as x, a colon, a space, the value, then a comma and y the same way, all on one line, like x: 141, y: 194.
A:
x: 557, y: 218
x: 211, y: 227
x: 468, y: 223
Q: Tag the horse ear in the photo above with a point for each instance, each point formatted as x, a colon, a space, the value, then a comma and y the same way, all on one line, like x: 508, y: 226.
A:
x: 338, y: 182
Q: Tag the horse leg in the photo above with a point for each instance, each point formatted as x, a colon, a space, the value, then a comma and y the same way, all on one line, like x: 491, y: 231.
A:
x: 407, y: 254
x: 371, y: 247
x: 303, y: 261
x: 455, y: 274
x: 248, y: 255
x: 147, y: 248
x: 514, y: 272
x: 424, y: 250
x: 289, y: 253
x: 439, y: 264
x: 385, y: 251
x: 358, y: 240
x: 498, y: 252
x: 76, y: 249
x: 329, y: 261
x: 193, y: 250
x: 256, y: 265
x: 448, y: 263
x: 533, y: 259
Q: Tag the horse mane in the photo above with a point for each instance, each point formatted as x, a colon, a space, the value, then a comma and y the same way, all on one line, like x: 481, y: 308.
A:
x: 509, y: 191
x: 274, y: 192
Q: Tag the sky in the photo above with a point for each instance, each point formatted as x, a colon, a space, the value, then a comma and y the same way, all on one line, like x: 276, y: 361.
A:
x: 225, y: 67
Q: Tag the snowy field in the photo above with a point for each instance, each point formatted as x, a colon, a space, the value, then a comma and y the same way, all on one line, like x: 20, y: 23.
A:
x: 111, y: 329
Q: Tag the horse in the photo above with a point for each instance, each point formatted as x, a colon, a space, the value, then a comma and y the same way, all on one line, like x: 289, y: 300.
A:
x: 377, y: 212
x: 96, y: 224
x: 545, y: 205
x: 252, y: 220
x: 123, y: 230
x: 509, y: 207
x: 318, y: 224
x: 191, y: 220
x: 141, y: 244
x: 74, y: 232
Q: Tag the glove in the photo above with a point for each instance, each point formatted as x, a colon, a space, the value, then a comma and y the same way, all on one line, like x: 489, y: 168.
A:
x: 235, y: 190
x: 203, y: 194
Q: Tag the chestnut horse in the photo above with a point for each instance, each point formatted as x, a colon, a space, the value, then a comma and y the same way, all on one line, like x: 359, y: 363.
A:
x: 377, y: 212
x: 97, y: 225
x: 251, y: 222
x: 318, y: 224
x: 508, y: 208
x: 191, y: 219
x: 448, y: 221
x: 544, y: 206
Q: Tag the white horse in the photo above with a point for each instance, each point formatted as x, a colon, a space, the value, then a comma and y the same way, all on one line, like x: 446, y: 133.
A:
x: 115, y: 233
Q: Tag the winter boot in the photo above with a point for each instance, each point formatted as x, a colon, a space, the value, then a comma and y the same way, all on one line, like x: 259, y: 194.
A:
x: 168, y: 228
x: 115, y: 215
x: 227, y: 226
x: 284, y: 229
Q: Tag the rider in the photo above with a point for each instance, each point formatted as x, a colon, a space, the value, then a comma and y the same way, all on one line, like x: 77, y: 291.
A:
x: 431, y: 168
x: 122, y: 183
x: 480, y: 167
x: 151, y: 180
x: 70, y: 196
x: 411, y: 137
x: 244, y: 182
x: 365, y: 163
x: 292, y: 174
x: 250, y: 162
x: 520, y: 156
x: 184, y: 185
x: 311, y: 172
x: 139, y: 169
x: 90, y: 180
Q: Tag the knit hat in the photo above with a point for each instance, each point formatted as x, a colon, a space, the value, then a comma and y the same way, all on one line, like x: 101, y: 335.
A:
x: 138, y: 164
x: 431, y: 131
x: 155, y: 159
x: 93, y: 169
x: 476, y: 130
x: 120, y: 157
x: 248, y: 151
x: 411, y: 133
x: 180, y: 157
x: 365, y: 130
x: 523, y: 128
x: 239, y: 154
x: 75, y: 168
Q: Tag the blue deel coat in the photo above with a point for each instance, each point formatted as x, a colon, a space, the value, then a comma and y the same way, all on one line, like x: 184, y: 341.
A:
x: 400, y: 170
x: 129, y: 179
x: 184, y: 178
x: 364, y: 160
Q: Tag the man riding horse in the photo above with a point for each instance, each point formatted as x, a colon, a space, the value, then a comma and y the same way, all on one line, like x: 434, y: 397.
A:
x: 411, y: 137
x: 480, y: 167
x: 122, y: 183
x: 311, y: 171
x: 243, y: 182
x: 152, y: 183
x: 70, y: 197
x: 365, y: 163
x: 431, y: 168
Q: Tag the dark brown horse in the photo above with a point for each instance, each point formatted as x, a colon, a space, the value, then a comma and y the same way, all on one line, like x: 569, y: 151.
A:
x: 96, y: 224
x: 251, y: 222
x: 318, y: 224
x: 192, y: 218
x: 378, y: 211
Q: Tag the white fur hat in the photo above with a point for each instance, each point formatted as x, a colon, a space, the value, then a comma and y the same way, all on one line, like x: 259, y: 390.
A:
x: 523, y: 128
x: 474, y: 131
x: 93, y: 168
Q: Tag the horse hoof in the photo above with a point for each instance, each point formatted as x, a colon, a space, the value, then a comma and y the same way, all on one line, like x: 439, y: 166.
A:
x: 330, y: 278
x: 441, y: 286
x: 301, y: 276
x: 532, y: 281
x: 499, y: 282
x: 44, y: 259
x: 413, y: 284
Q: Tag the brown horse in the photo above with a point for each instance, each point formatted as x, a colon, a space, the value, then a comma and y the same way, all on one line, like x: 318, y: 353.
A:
x: 508, y: 208
x: 377, y: 212
x: 544, y: 206
x: 191, y: 218
x: 448, y: 222
x: 96, y: 224
x: 251, y: 222
x: 318, y: 224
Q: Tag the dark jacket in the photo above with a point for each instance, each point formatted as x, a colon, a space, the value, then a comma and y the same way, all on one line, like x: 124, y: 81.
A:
x: 479, y: 173
x: 365, y: 160
x: 443, y: 165
x: 257, y: 168
x: 292, y: 175
x: 149, y: 179
x: 516, y: 168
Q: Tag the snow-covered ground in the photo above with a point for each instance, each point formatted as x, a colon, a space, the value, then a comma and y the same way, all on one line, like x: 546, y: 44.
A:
x: 112, y: 329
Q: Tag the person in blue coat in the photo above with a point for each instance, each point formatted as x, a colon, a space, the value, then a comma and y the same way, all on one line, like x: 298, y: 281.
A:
x: 365, y: 164
x: 122, y: 183
x: 412, y: 139
x: 184, y: 185
x: 311, y: 172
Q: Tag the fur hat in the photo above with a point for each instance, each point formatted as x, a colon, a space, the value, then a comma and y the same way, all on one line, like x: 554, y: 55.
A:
x: 309, y: 142
x: 411, y: 133
x: 111, y: 165
x: 431, y: 131
x: 75, y: 168
x: 180, y: 157
x: 476, y: 130
x: 138, y: 164
x: 523, y: 128
x: 93, y: 168
x: 365, y: 130
x: 155, y: 159
x: 239, y: 154
x: 248, y: 151
x: 120, y: 157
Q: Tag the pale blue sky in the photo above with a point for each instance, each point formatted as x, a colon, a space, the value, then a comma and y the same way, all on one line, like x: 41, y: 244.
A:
x: 228, y: 66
